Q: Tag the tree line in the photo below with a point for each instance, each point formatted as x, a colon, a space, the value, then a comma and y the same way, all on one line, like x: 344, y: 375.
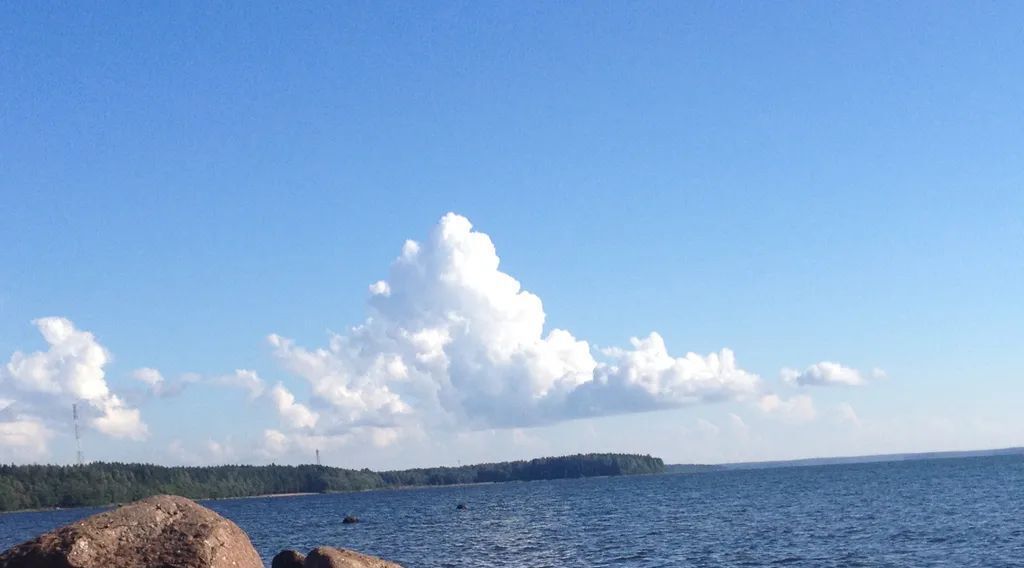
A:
x: 102, y: 483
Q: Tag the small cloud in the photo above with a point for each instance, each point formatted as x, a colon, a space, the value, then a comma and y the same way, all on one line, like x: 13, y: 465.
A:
x: 520, y: 437
x: 380, y: 288
x: 120, y: 421
x: 799, y: 408
x: 23, y: 438
x: 220, y: 452
x: 303, y: 444
x: 707, y: 428
x: 827, y: 373
x: 158, y: 386
x: 245, y: 379
x: 739, y: 427
x: 847, y: 414
x: 211, y: 452
x: 294, y: 414
x: 149, y: 376
x: 384, y: 437
x: 275, y: 443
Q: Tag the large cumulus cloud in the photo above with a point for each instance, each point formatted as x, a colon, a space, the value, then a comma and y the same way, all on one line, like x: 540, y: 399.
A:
x: 452, y: 339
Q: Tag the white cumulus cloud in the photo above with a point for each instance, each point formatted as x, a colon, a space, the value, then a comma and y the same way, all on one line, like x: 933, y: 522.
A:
x: 451, y: 339
x: 295, y: 414
x: 72, y: 370
x: 245, y: 379
x: 161, y: 387
x: 120, y: 421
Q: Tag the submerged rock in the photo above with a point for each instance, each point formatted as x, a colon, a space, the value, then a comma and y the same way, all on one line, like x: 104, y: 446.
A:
x: 461, y: 507
x: 330, y: 557
x: 288, y: 559
x: 161, y: 531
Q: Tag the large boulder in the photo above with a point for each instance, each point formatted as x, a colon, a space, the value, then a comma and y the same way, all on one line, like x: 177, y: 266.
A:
x: 330, y: 557
x: 160, y: 531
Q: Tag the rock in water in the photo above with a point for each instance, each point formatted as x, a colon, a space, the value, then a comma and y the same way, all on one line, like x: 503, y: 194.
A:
x: 330, y: 557
x: 288, y: 559
x: 350, y: 520
x: 158, y: 531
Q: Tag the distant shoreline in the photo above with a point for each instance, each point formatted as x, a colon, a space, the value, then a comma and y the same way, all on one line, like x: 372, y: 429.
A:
x: 843, y: 460
x: 67, y: 486
x: 669, y: 469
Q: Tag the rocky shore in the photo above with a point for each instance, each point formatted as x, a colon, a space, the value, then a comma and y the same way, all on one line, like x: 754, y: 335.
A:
x: 166, y: 532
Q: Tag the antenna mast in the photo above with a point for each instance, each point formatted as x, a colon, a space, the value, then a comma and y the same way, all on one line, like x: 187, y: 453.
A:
x: 78, y: 438
x: 318, y: 456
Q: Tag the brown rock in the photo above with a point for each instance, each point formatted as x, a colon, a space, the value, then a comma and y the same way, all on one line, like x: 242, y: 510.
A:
x: 160, y: 531
x: 288, y: 559
x: 330, y: 557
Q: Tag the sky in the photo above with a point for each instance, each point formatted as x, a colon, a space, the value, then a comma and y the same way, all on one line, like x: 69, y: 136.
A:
x: 415, y: 235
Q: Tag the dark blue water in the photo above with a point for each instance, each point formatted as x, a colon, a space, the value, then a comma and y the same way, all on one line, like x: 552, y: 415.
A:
x: 953, y: 512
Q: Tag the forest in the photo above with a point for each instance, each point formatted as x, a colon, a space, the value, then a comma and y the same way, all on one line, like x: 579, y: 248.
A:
x: 101, y: 483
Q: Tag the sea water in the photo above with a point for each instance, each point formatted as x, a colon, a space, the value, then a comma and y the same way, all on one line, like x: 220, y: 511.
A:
x: 946, y: 512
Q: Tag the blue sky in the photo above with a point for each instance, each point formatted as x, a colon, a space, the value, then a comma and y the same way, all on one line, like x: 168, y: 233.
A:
x: 797, y: 183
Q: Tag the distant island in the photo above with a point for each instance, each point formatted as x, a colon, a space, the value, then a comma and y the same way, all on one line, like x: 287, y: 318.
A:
x: 100, y: 483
